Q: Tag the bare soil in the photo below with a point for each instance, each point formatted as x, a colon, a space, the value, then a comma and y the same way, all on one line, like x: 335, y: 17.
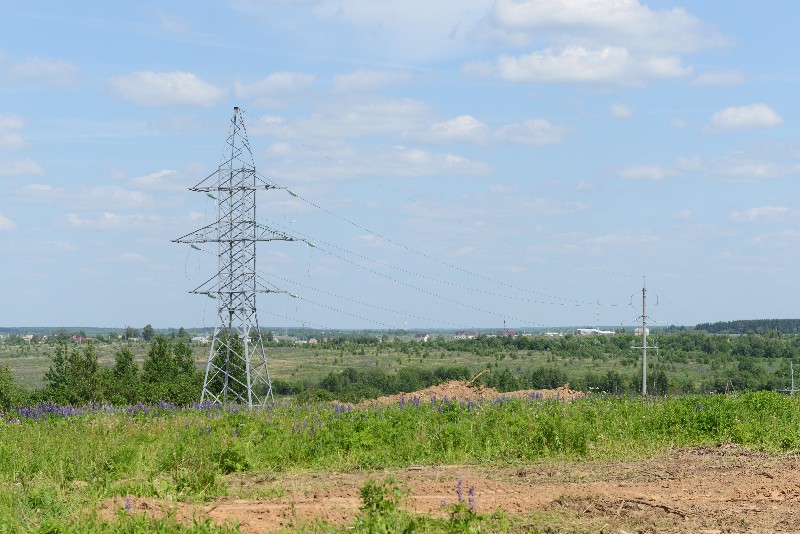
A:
x: 710, y: 490
x: 458, y: 391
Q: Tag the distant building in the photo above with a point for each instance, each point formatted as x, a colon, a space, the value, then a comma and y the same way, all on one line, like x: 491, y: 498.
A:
x: 312, y: 341
x: 593, y: 332
x: 422, y: 337
x: 200, y: 339
x: 638, y: 331
x: 463, y: 334
x: 504, y: 333
x: 553, y: 334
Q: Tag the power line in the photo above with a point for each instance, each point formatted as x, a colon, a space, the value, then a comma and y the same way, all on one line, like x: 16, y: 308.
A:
x: 316, y: 243
x: 461, y: 223
x: 375, y: 306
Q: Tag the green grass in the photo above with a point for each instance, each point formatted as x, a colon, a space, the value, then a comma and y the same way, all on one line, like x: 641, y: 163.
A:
x: 311, y: 364
x: 57, y: 470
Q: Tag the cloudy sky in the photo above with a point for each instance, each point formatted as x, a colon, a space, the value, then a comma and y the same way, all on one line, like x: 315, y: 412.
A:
x: 458, y: 163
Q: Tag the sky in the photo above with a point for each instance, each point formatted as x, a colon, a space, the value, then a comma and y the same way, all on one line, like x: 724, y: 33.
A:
x: 458, y: 164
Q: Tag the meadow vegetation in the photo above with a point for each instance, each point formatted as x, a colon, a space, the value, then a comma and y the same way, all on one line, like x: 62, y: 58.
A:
x: 356, y: 367
x: 58, y: 463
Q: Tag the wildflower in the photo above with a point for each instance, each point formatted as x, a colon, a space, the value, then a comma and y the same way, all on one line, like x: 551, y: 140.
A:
x: 458, y: 491
x: 128, y: 504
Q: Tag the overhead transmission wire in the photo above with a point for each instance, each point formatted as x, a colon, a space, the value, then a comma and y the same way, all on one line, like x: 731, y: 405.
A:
x: 316, y: 242
x: 375, y: 306
x: 445, y: 215
x: 428, y: 256
x: 401, y: 282
x: 414, y: 251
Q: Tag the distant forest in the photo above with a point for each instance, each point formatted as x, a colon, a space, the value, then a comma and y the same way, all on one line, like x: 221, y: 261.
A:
x: 752, y: 326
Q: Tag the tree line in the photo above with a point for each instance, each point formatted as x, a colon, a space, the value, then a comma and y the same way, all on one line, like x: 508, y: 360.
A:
x: 752, y: 326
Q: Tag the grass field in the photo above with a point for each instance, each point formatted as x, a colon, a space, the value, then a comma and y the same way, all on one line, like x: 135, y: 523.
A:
x: 309, y: 363
x: 58, y: 466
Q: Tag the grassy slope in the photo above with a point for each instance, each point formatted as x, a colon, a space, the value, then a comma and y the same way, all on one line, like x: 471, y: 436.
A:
x: 55, y: 469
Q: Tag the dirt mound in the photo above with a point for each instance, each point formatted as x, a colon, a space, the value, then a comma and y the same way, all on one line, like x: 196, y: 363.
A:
x: 459, y: 391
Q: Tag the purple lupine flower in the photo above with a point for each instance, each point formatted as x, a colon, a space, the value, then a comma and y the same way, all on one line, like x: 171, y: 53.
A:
x: 128, y: 504
x: 458, y: 491
x: 471, y: 498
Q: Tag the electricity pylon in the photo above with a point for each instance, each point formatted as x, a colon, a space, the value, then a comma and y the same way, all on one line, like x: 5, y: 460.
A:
x: 237, y: 369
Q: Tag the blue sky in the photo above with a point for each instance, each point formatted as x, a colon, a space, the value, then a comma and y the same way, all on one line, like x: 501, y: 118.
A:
x: 506, y: 161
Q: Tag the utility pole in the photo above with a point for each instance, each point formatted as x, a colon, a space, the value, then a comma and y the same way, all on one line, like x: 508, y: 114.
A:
x: 237, y: 363
x: 644, y: 336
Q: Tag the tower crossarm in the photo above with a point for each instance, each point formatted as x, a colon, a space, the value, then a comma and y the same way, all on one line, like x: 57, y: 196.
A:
x: 218, y: 232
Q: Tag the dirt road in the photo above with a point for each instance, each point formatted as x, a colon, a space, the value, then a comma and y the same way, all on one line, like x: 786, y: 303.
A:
x: 722, y: 489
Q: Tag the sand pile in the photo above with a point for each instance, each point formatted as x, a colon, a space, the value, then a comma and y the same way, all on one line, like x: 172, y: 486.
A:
x: 460, y: 391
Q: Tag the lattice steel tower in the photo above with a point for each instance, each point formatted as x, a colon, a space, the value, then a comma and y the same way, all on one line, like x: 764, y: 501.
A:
x: 237, y: 362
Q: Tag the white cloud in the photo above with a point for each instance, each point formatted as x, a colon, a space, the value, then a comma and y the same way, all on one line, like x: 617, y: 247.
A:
x: 608, y: 65
x: 625, y: 23
x: 43, y: 71
x: 109, y: 221
x: 683, y: 215
x: 461, y: 128
x: 275, y: 88
x: 720, y: 78
x: 367, y: 80
x: 371, y: 239
x: 531, y: 132
x: 10, y: 122
x: 6, y: 223
x: 744, y: 118
x: 365, y: 117
x: 11, y: 141
x: 627, y: 237
x: 148, y: 88
x: 40, y: 193
x: 546, y: 206
x: 762, y: 214
x: 106, y: 196
x: 20, y: 167
x: 130, y: 257
x: 678, y: 123
x: 621, y: 111
x: 408, y: 31
x: 644, y: 172
x: 165, y: 179
x: 615, y: 42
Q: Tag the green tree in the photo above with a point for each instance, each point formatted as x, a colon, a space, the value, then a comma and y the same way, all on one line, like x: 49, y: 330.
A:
x: 183, y: 334
x: 159, y: 364
x: 74, y: 376
x: 148, y: 332
x: 10, y: 394
x: 123, y: 382
x: 661, y: 383
x: 130, y: 333
x: 169, y: 374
